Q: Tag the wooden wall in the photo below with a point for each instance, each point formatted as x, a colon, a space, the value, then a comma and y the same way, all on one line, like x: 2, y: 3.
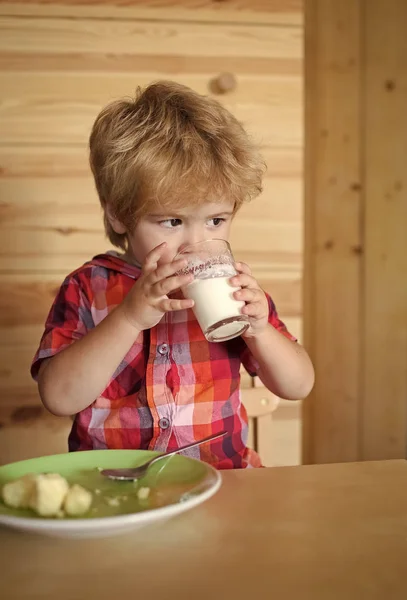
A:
x: 59, y: 64
x: 355, y: 318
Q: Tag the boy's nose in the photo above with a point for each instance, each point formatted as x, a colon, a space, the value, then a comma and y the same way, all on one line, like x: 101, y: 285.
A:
x: 184, y: 246
x: 191, y: 241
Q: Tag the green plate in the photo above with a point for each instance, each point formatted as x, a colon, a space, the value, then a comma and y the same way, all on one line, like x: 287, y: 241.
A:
x: 176, y: 485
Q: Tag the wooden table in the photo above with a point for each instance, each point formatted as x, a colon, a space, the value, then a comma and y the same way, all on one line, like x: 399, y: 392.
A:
x: 319, y: 532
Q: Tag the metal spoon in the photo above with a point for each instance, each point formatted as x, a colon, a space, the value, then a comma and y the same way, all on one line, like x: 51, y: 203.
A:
x: 138, y: 472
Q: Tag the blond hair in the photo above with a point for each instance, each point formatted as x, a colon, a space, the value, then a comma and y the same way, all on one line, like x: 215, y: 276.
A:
x: 172, y: 147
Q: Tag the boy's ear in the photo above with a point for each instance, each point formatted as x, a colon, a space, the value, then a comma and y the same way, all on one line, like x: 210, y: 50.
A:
x: 117, y: 225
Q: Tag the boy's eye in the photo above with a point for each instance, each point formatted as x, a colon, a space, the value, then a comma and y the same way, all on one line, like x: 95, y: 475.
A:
x: 216, y: 221
x: 171, y: 223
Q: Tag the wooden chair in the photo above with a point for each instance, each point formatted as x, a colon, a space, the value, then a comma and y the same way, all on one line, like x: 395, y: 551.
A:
x: 259, y: 403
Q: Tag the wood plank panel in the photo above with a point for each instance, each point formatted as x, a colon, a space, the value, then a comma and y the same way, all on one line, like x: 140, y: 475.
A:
x: 28, y: 331
x: 59, y: 36
x: 294, y: 326
x: 60, y: 109
x: 171, y: 64
x: 15, y: 378
x: 47, y: 241
x: 25, y: 300
x: 261, y: 12
x: 39, y: 436
x: 264, y: 236
x: 333, y: 229
x: 385, y: 298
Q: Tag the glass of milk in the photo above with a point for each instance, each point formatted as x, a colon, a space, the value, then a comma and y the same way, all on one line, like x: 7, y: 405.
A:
x: 216, y: 310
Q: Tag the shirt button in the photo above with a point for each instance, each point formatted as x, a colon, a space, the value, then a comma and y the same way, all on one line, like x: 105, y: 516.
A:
x: 164, y: 423
x: 163, y: 349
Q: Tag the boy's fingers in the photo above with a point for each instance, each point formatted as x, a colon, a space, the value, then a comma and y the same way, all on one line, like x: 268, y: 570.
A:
x: 170, y: 284
x: 244, y: 280
x: 243, y: 268
x: 164, y: 271
x: 254, y: 309
x: 246, y: 294
x: 170, y: 304
x: 152, y: 258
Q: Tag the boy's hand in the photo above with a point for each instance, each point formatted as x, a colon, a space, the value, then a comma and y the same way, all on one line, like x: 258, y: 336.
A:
x: 147, y: 301
x: 257, y: 307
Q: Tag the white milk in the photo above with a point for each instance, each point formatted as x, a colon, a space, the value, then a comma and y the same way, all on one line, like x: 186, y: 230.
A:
x: 214, y: 302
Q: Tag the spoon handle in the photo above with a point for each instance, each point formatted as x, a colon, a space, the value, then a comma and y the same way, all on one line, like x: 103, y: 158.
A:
x: 207, y: 439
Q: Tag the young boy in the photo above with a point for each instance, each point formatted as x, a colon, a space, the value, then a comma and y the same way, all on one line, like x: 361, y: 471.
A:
x: 122, y: 351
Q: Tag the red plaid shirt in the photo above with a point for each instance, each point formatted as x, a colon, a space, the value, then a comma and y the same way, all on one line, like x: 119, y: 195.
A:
x: 172, y: 388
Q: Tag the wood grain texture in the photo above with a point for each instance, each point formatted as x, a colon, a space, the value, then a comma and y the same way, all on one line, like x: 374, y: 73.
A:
x: 385, y: 257
x: 170, y: 64
x: 261, y: 12
x: 355, y: 314
x: 333, y: 239
x: 59, y: 36
x: 342, y: 528
x: 277, y: 6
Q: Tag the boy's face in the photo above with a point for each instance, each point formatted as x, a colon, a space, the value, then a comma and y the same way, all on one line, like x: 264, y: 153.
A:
x: 179, y: 228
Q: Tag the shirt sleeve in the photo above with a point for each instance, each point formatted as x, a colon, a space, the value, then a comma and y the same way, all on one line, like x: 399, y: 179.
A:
x: 248, y: 361
x: 69, y: 319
